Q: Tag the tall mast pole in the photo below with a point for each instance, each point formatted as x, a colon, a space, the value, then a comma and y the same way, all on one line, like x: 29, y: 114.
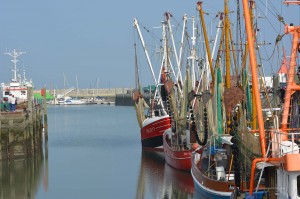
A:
x: 291, y: 86
x: 199, y: 8
x: 253, y: 64
x: 136, y: 25
x: 178, y: 62
x: 181, y: 46
x: 14, y: 54
x: 227, y: 50
x: 193, y: 54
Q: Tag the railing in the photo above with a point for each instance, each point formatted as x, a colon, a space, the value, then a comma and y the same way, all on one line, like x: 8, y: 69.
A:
x: 291, y: 2
x: 181, y: 147
x: 212, y: 171
x: 282, y: 147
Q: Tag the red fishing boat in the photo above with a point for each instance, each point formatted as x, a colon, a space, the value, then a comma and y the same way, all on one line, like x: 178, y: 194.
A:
x: 177, y: 155
x: 153, y: 120
x: 153, y: 129
x: 178, y: 143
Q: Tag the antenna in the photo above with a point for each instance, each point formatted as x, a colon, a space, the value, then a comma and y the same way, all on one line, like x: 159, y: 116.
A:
x: 14, y: 54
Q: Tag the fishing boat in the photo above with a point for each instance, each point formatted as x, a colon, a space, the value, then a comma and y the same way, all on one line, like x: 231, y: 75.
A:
x: 178, y: 143
x: 18, y: 84
x: 260, y: 160
x: 71, y: 101
x: 153, y: 119
x: 212, y: 163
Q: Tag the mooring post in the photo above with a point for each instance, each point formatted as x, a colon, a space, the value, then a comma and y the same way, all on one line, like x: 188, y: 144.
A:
x: 45, y: 115
x: 27, y: 137
x: 30, y: 123
x: 10, y: 139
x: 0, y: 136
x: 34, y: 118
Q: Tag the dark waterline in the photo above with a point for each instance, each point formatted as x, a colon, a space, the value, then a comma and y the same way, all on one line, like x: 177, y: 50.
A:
x: 94, y: 152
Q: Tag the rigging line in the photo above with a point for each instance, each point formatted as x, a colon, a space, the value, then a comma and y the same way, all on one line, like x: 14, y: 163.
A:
x: 262, y: 75
x: 278, y: 39
x: 151, y: 33
x: 272, y: 55
x: 178, y: 24
x: 271, y: 24
x: 271, y: 5
x: 277, y: 64
x: 276, y: 15
x: 239, y: 31
x: 139, y: 62
x: 208, y: 5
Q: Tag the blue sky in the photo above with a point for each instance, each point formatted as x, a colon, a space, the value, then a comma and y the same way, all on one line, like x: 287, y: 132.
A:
x: 89, y: 39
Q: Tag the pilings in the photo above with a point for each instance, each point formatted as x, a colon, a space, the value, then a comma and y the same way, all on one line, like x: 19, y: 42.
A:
x: 45, y: 115
x: 21, y: 131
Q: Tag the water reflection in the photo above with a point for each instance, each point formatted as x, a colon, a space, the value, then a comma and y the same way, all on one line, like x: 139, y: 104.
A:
x: 22, y: 178
x: 158, y: 180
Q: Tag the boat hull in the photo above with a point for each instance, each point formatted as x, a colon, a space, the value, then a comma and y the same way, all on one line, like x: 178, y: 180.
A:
x: 208, y: 187
x: 180, y: 160
x: 152, y: 131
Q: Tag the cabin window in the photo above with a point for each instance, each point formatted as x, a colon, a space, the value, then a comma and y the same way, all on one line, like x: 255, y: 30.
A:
x: 23, y: 92
x: 6, y: 93
x: 298, y: 185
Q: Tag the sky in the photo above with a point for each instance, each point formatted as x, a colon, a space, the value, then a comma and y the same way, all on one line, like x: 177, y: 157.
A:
x: 91, y: 40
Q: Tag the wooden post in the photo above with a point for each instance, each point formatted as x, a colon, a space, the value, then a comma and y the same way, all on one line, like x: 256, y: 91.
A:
x: 34, y: 118
x: 27, y: 138
x: 0, y: 137
x: 45, y: 116
x: 30, y: 123
x: 10, y: 139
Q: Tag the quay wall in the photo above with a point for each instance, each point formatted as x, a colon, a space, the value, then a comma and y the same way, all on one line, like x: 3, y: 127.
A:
x: 21, y: 130
x: 87, y: 93
x: 121, y: 96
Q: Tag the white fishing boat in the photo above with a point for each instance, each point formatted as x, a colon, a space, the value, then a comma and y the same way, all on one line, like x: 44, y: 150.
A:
x: 71, y: 101
x: 18, y: 84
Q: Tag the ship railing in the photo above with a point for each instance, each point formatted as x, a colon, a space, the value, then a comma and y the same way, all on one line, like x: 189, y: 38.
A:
x: 220, y: 174
x: 181, y: 147
x: 282, y: 147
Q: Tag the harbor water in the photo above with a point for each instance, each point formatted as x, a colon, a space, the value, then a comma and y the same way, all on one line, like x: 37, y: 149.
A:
x: 94, y: 151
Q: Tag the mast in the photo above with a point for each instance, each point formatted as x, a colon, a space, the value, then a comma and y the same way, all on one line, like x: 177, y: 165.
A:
x: 136, y: 25
x: 199, y: 8
x: 291, y: 85
x: 14, y: 54
x: 253, y: 64
x: 77, y: 85
x: 193, y: 54
x: 227, y: 50
x: 137, y: 80
x: 181, y: 44
x: 178, y: 62
x: 254, y: 120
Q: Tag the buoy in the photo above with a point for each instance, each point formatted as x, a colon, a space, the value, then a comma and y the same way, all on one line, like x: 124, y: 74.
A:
x: 195, y: 146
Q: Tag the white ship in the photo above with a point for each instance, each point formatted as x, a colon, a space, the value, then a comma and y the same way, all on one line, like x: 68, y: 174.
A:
x: 18, y: 85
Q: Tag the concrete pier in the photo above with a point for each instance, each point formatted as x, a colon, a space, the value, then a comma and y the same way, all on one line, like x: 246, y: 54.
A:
x: 21, y: 131
x: 87, y: 93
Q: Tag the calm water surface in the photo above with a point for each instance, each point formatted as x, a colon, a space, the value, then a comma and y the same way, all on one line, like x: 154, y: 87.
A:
x: 94, y: 152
